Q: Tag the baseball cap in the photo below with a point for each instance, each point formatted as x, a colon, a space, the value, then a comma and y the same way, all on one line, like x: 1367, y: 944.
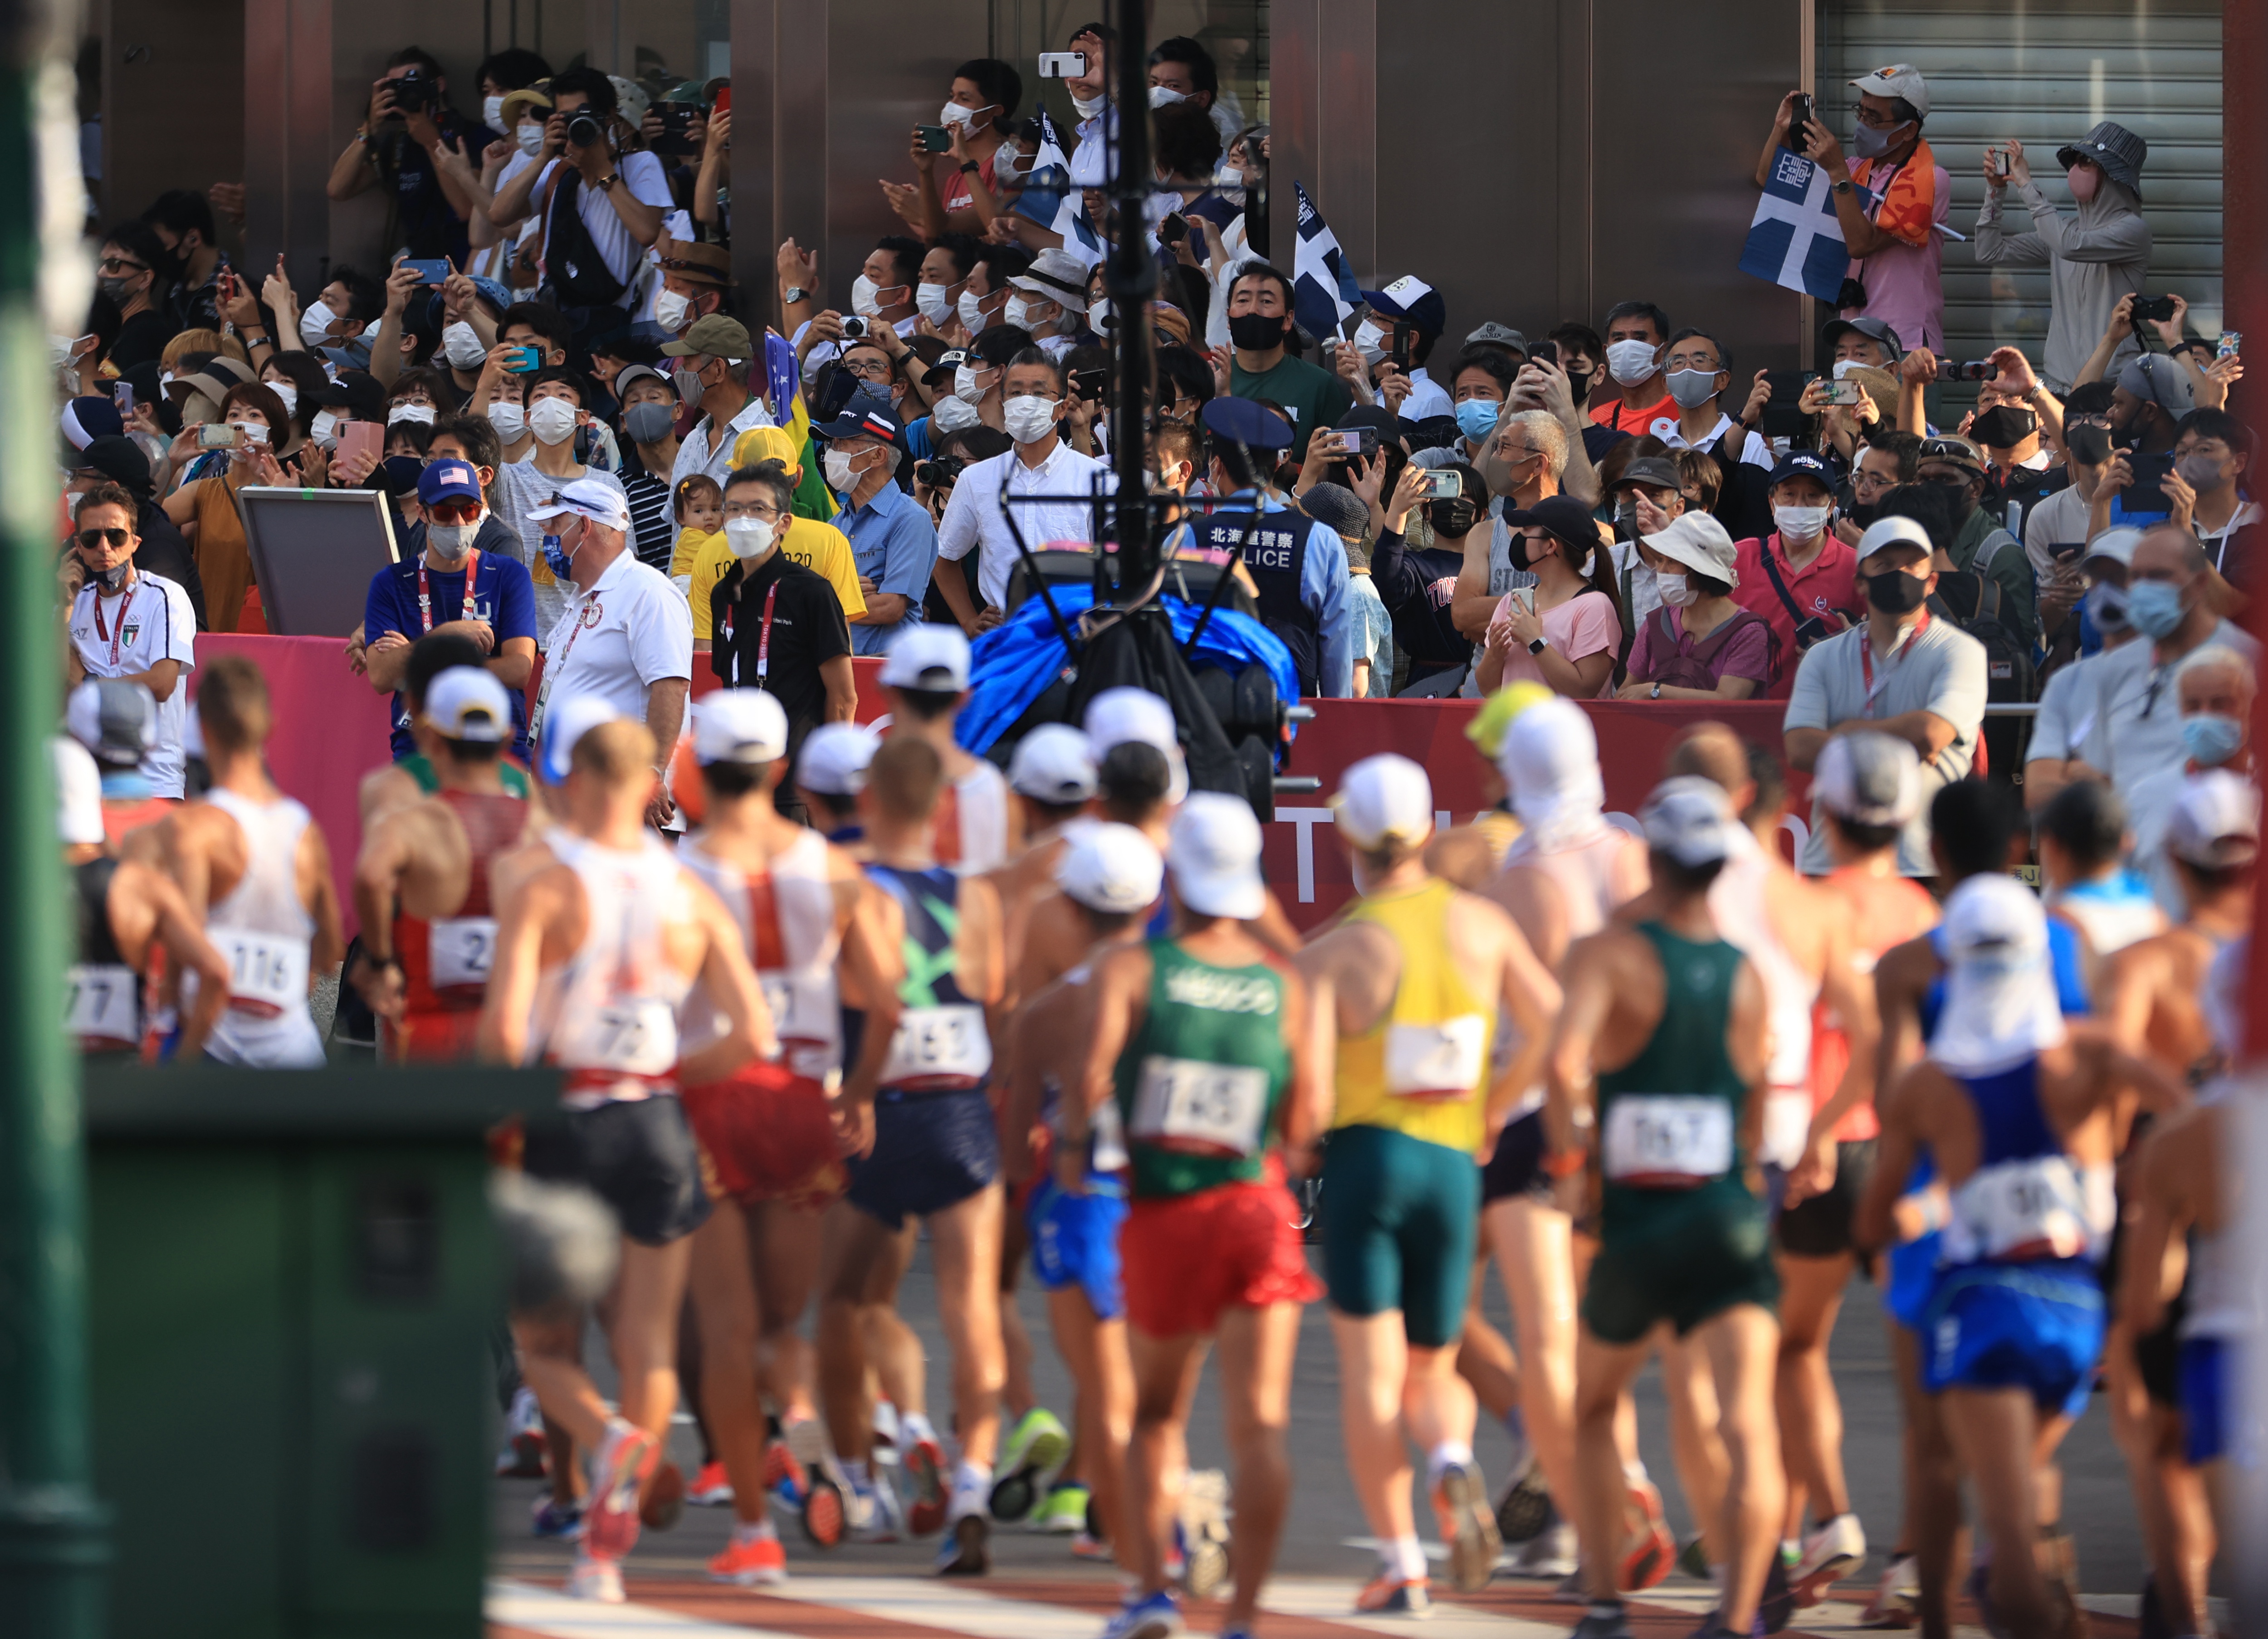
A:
x: 1893, y: 532
x: 1382, y: 799
x: 89, y: 417
x: 1111, y: 868
x: 1951, y: 446
x: 770, y: 443
x: 1876, y: 329
x: 1563, y: 515
x: 1116, y: 716
x: 1213, y: 852
x: 867, y: 415
x: 1801, y: 463
x: 1868, y: 778
x: 928, y: 656
x: 713, y: 336
x: 466, y: 702
x: 1494, y: 335
x: 357, y: 394
x: 1655, y: 470
x: 1900, y: 79
x: 1412, y: 300
x: 1699, y: 542
x: 448, y: 479
x: 632, y: 373
x: 2118, y: 545
x: 2216, y: 821
x: 1240, y: 421
x: 587, y: 497
x: 115, y: 721
x: 833, y: 759
x: 564, y: 724
x: 1688, y: 818
x: 2158, y: 379
x: 78, y: 792
x: 1052, y: 764
x: 746, y: 725
x: 1994, y: 919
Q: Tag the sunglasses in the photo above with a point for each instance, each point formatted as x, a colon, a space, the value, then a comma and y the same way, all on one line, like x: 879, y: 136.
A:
x: 454, y: 511
x: 119, y: 264
x: 94, y: 538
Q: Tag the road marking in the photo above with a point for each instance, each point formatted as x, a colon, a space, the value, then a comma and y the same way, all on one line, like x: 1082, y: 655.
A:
x: 1332, y: 1600
x: 930, y: 1604
x: 544, y: 1611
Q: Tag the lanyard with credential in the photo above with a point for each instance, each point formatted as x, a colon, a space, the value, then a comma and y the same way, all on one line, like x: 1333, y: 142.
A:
x: 425, y: 592
x: 116, y: 637
x: 1866, y: 660
x: 763, y: 632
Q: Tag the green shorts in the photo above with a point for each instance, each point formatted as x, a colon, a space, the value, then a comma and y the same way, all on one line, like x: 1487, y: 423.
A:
x: 1693, y: 1255
x: 1399, y: 1219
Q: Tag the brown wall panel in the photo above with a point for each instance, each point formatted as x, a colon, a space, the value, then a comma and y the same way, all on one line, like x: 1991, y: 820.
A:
x: 172, y: 101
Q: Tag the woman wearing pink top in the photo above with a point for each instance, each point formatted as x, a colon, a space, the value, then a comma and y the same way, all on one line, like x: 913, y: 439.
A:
x: 1563, y: 631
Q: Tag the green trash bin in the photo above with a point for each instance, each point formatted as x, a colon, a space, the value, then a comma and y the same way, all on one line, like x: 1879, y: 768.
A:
x: 295, y: 1300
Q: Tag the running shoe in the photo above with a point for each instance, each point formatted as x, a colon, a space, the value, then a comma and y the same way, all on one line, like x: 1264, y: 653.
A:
x: 784, y: 1477
x: 1603, y: 1622
x: 610, y: 1514
x: 599, y: 1580
x: 523, y: 1455
x: 711, y: 1488
x: 1650, y: 1552
x: 554, y: 1519
x: 966, y: 1550
x: 1036, y: 1447
x: 1467, y: 1525
x: 1693, y: 1558
x: 1896, y: 1595
x: 1553, y: 1555
x: 1525, y: 1509
x: 1088, y: 1546
x: 925, y: 1472
x: 1833, y: 1552
x: 1064, y: 1512
x: 875, y: 1512
x: 1573, y: 1590
x: 1390, y: 1593
x: 1776, y: 1605
x: 753, y: 1562
x: 662, y: 1504
x: 1156, y: 1617
x: 824, y: 1513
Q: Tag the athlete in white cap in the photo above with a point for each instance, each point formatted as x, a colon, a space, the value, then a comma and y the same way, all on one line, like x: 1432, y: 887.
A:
x: 927, y: 674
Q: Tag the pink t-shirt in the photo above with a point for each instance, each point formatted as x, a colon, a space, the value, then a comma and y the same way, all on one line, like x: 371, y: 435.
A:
x: 1748, y: 654
x: 1584, y: 625
x: 1902, y: 280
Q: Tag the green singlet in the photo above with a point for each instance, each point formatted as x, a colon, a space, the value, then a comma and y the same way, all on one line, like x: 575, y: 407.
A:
x: 1199, y: 1083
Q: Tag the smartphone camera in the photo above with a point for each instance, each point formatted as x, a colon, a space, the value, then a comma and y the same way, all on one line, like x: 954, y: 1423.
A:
x: 1442, y: 485
x: 530, y: 359
x: 1063, y: 65
x: 1798, y: 115
x: 1975, y: 370
x: 584, y: 129
x: 935, y: 139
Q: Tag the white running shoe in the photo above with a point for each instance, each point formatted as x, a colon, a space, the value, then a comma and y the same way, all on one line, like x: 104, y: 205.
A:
x: 1833, y: 1552
x: 599, y: 1580
x: 1550, y: 1553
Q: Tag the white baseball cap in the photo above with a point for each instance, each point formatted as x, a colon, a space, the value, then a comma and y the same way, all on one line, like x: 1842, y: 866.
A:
x: 2216, y: 821
x: 564, y: 722
x: 928, y: 656
x: 2000, y: 1005
x: 1052, y: 765
x: 593, y: 498
x: 1111, y: 868
x: 1689, y: 819
x: 1117, y: 717
x: 1868, y: 778
x: 1894, y: 532
x: 1900, y: 79
x: 466, y: 702
x: 739, y: 725
x: 1213, y: 852
x: 78, y: 792
x: 835, y: 758
x: 2118, y: 545
x: 116, y: 719
x: 1381, y: 798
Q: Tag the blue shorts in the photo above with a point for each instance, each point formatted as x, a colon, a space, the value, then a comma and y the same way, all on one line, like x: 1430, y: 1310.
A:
x: 1912, y: 1277
x: 2205, y: 1388
x: 931, y: 1150
x: 1075, y: 1241
x: 2028, y: 1326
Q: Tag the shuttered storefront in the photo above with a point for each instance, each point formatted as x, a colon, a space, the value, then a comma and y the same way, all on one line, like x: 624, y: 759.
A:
x: 2044, y: 73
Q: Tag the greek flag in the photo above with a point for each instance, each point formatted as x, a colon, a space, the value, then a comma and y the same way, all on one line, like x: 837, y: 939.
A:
x: 1321, y: 282
x: 1795, y: 240
x: 1050, y: 199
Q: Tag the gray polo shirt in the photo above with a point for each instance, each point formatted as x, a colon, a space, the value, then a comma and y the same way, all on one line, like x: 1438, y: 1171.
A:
x: 1941, y: 669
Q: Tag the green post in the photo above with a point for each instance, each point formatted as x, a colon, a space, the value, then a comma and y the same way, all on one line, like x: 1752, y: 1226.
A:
x: 53, y: 1536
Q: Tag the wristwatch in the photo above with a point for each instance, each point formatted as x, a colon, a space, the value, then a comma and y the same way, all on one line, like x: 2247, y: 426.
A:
x: 793, y: 294
x: 970, y: 167
x: 607, y: 181
x: 1657, y: 692
x: 1844, y: 186
x: 1537, y: 645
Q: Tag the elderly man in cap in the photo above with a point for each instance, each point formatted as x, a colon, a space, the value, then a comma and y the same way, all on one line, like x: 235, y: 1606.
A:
x: 719, y: 356
x: 1646, y: 496
x: 1979, y: 544
x: 893, y: 538
x: 1047, y: 299
x: 2093, y: 259
x: 1867, y: 342
x: 626, y: 637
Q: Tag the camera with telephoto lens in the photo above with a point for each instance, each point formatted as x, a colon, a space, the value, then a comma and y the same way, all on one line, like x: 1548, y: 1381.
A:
x: 414, y: 94
x: 940, y: 473
x: 584, y: 129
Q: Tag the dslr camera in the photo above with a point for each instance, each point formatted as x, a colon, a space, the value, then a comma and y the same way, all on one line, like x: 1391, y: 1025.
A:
x: 2160, y: 308
x: 414, y: 94
x: 940, y: 473
x: 585, y: 129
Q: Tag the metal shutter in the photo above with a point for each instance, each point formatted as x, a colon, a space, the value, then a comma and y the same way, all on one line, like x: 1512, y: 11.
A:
x: 2044, y: 73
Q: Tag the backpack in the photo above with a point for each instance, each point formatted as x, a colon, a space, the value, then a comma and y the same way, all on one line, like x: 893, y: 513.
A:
x: 570, y: 256
x: 1972, y: 601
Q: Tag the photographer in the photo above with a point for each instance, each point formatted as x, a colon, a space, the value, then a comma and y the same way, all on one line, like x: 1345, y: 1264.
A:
x: 2092, y: 261
x: 408, y: 117
x: 2147, y: 403
x: 183, y: 220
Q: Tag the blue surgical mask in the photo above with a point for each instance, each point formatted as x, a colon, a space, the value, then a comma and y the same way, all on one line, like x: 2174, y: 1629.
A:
x: 2212, y: 739
x: 2154, y: 607
x: 1477, y: 418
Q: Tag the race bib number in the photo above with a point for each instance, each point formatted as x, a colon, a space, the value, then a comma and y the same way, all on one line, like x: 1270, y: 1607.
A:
x: 103, y: 1003
x: 1788, y: 1123
x: 2020, y: 1210
x: 1666, y: 1141
x: 462, y: 949
x: 265, y: 973
x: 939, y: 1047
x: 1208, y: 1109
x: 636, y: 1034
x: 1440, y: 1062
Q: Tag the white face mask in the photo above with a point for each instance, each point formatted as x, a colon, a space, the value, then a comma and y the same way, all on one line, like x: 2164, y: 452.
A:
x: 530, y: 138
x: 1370, y: 340
x: 841, y: 477
x: 1098, y: 315
x: 1087, y: 106
x: 749, y: 538
x: 325, y: 429
x: 1018, y: 313
x: 1161, y: 95
x: 1029, y: 420
x: 315, y: 324
x: 252, y: 430
x: 286, y: 392
x: 452, y: 541
x: 951, y: 416
x: 165, y: 377
x: 421, y: 414
x: 955, y: 114
x: 933, y: 304
x: 1800, y: 523
x: 971, y: 309
x: 509, y: 421
x: 1675, y: 590
x: 862, y: 293
x: 1845, y: 366
x: 460, y: 344
x: 552, y: 421
x: 669, y: 310
x: 492, y: 112
x: 1630, y: 362
x: 964, y: 384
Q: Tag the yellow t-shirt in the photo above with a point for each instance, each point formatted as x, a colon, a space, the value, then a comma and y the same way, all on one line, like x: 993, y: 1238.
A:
x: 820, y: 547
x: 691, y: 543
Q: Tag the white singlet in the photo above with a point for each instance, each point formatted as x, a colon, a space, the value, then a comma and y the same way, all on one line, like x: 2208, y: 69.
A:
x: 1585, y: 874
x: 980, y: 802
x: 786, y: 917
x: 1736, y: 900
x: 264, y: 931
x: 608, y: 1014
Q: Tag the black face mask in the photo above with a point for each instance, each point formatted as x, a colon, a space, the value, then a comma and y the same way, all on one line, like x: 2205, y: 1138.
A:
x: 1579, y: 385
x: 1863, y: 512
x: 1453, y: 518
x: 1895, y: 592
x: 2087, y: 443
x: 1257, y: 332
x: 2004, y: 426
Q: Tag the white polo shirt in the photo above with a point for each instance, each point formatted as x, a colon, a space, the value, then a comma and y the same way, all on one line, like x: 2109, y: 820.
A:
x: 1754, y: 450
x: 615, y: 640
x: 973, y: 520
x: 125, y: 634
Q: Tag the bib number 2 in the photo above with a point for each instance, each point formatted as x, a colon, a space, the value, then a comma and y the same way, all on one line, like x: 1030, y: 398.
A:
x: 463, y: 950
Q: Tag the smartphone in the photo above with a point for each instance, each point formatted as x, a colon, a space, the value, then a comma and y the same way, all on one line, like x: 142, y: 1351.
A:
x: 1358, y: 441
x: 676, y: 127
x: 219, y: 435
x: 934, y: 139
x: 1063, y: 65
x: 1841, y: 393
x: 2160, y: 308
x: 724, y: 103
x: 2145, y: 496
x: 531, y: 358
x: 1173, y: 229
x: 1400, y: 350
x: 1799, y: 115
x: 2067, y: 551
x: 1813, y: 630
x: 359, y: 437
x: 122, y: 394
x: 1544, y: 353
x: 1089, y: 383
x: 1782, y: 418
x: 433, y: 270
x: 2230, y: 341
x: 1442, y: 485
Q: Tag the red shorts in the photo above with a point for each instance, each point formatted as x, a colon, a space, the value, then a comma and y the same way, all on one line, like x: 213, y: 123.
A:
x: 430, y: 1038
x: 767, y: 1135
x: 1189, y: 1257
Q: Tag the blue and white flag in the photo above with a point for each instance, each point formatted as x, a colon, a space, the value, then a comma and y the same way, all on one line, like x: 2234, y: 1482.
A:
x: 1795, y: 240
x: 1050, y: 199
x: 1322, y: 285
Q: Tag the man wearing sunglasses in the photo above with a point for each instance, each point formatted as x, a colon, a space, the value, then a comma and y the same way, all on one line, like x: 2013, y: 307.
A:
x: 126, y: 624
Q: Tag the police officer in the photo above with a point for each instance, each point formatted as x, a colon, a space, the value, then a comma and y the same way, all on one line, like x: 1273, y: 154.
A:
x: 1299, y: 565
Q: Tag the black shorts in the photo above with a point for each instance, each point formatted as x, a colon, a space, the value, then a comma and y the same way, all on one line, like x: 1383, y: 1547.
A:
x: 639, y: 1156
x: 1821, y: 1227
x: 2157, y: 1354
x: 1516, y: 1169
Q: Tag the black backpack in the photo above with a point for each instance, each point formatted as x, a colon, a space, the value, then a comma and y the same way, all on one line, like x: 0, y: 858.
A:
x: 1972, y: 602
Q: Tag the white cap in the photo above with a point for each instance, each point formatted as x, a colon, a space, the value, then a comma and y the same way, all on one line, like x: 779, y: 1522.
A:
x: 78, y: 792
x: 1699, y: 542
x: 2216, y: 821
x: 466, y: 702
x: 1118, y: 716
x: 115, y: 719
x: 1868, y: 778
x: 835, y: 758
x: 1689, y: 819
x: 593, y: 498
x: 2118, y: 545
x: 1052, y: 765
x: 739, y: 725
x: 1550, y: 761
x: 1900, y: 79
x: 1381, y: 798
x: 2000, y: 1005
x: 1894, y: 532
x: 564, y: 722
x: 1213, y: 850
x: 927, y: 656
x: 1111, y: 868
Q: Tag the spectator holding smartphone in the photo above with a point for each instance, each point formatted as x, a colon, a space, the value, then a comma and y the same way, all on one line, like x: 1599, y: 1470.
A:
x: 1419, y: 585
x: 2213, y: 456
x: 2151, y: 397
x: 2091, y: 258
x: 1801, y: 579
x: 1565, y: 630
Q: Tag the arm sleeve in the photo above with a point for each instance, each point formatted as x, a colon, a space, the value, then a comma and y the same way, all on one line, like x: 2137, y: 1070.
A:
x: 832, y: 558
x: 648, y: 183
x: 378, y: 610
x: 834, y: 635
x: 1323, y: 589
x: 2051, y: 726
x: 1594, y: 629
x: 1807, y: 701
x: 2013, y: 571
x: 909, y: 555
x: 1998, y: 247
x: 515, y: 602
x: 661, y: 641
x: 1389, y: 568
x: 180, y: 628
x: 708, y: 570
x: 1640, y: 668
